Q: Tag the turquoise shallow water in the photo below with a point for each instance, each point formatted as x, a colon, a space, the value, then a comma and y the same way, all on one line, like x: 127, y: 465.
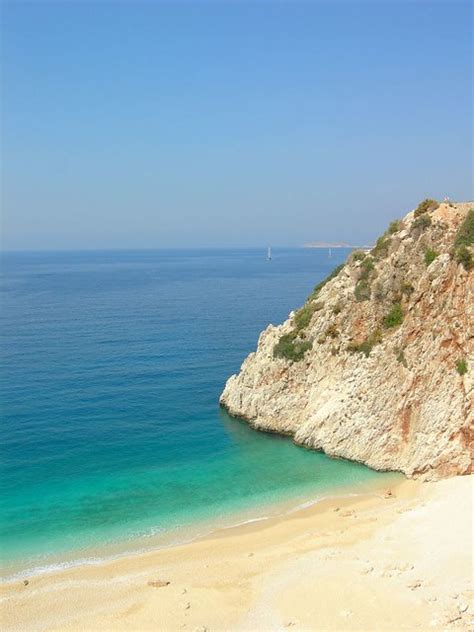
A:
x: 113, y: 363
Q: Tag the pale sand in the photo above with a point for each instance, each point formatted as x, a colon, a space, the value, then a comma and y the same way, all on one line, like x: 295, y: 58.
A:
x: 399, y: 563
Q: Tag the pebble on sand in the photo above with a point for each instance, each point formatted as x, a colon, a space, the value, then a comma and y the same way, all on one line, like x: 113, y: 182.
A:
x: 413, y: 585
x: 346, y: 514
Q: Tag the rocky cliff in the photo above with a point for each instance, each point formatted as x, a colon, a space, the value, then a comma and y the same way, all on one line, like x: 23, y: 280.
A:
x: 377, y: 365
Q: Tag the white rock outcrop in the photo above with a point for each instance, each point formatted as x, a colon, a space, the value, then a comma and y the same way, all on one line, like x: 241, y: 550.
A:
x: 407, y: 404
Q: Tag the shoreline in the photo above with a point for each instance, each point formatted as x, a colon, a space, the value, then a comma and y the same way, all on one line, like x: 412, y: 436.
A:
x: 195, y: 531
x: 365, y: 562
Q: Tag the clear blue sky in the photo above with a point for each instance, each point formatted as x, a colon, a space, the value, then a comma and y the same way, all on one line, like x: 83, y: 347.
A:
x: 155, y: 124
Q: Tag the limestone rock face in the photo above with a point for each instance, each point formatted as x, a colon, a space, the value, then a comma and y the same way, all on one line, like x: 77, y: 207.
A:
x: 394, y: 395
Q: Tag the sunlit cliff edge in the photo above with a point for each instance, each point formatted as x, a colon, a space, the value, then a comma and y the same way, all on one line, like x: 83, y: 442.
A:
x: 376, y: 367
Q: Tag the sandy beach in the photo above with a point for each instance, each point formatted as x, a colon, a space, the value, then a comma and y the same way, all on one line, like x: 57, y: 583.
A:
x: 372, y: 562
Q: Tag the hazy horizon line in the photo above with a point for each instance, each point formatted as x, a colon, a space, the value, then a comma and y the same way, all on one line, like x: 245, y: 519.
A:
x: 264, y: 247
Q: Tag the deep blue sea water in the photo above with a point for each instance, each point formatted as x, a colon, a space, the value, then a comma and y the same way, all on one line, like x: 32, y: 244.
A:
x: 113, y: 363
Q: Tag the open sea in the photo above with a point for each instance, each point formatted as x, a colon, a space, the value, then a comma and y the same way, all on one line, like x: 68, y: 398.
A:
x: 112, y: 437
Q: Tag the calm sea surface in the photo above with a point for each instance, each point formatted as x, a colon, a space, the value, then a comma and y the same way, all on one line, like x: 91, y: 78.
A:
x: 113, y: 362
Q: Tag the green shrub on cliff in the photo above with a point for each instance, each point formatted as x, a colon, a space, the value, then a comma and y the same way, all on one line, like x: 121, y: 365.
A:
x: 358, y: 255
x: 394, y: 316
x: 465, y: 234
x: 332, y: 331
x: 421, y: 222
x: 366, y: 268
x: 367, y: 344
x: 362, y: 290
x: 426, y: 206
x: 290, y: 348
x: 461, y: 366
x: 463, y: 240
x: 382, y: 245
x: 401, y: 357
x: 463, y: 256
x: 430, y: 256
x: 380, y: 250
x: 304, y: 314
x: 407, y: 288
x: 394, y: 226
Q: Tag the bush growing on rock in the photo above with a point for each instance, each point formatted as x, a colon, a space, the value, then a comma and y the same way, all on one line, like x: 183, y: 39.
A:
x: 380, y: 250
x: 421, y: 222
x: 358, y: 255
x: 407, y: 288
x: 362, y: 289
x: 461, y: 366
x: 426, y: 206
x: 382, y: 245
x: 394, y: 226
x: 332, y: 331
x: 401, y: 357
x: 430, y: 256
x: 304, y: 314
x: 290, y: 348
x: 366, y: 345
x: 465, y: 234
x: 463, y: 240
x: 394, y: 316
x: 366, y: 268
x: 463, y: 256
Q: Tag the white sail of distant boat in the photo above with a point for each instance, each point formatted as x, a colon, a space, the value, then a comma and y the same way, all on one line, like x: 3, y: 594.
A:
x: 269, y: 254
x: 329, y: 253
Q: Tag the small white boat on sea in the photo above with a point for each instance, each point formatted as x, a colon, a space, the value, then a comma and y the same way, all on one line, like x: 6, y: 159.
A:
x: 269, y: 254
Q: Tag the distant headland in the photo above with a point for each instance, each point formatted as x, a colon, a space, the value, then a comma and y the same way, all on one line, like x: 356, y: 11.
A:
x: 327, y: 244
